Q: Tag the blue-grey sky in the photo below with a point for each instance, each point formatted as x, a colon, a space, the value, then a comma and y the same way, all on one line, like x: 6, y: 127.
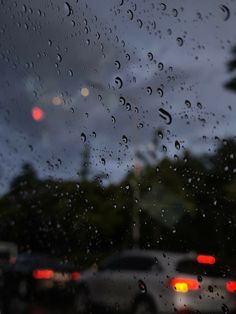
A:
x: 164, y: 52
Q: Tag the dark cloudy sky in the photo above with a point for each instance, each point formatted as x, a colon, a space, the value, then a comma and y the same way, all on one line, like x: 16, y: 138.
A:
x: 164, y: 52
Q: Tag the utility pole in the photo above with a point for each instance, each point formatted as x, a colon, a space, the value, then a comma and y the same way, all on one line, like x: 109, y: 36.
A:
x: 136, y: 195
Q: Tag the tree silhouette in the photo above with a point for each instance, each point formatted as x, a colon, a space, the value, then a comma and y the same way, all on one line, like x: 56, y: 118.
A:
x: 231, y: 66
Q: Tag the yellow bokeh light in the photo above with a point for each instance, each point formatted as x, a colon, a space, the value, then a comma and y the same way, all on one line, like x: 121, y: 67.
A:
x: 57, y: 100
x: 84, y: 91
x: 181, y: 287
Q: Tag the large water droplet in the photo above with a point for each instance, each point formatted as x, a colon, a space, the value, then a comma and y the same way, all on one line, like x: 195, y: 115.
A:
x: 67, y: 9
x: 130, y: 14
x: 165, y: 115
x: 225, y: 12
x: 119, y: 82
x: 103, y: 161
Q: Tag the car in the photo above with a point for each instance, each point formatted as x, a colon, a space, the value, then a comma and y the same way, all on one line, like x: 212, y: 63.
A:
x: 34, y: 276
x: 143, y: 281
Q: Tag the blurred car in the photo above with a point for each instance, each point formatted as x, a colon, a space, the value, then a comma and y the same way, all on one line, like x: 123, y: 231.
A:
x: 34, y: 276
x: 158, y: 282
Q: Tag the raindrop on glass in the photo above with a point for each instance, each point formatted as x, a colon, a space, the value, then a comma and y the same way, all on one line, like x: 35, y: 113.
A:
x: 83, y: 137
x: 124, y: 139
x: 142, y: 286
x: 180, y: 41
x: 149, y: 90
x: 119, y: 82
x: 67, y: 9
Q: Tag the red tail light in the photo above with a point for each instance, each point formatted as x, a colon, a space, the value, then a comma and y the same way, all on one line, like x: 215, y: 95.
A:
x: 184, y: 284
x: 206, y: 259
x: 231, y: 286
x: 75, y: 275
x: 43, y: 274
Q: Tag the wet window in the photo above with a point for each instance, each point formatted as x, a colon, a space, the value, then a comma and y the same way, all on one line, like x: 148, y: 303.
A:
x: 117, y: 137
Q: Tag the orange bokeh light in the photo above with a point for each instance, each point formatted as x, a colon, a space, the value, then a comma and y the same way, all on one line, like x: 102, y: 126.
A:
x: 37, y: 114
x: 56, y: 100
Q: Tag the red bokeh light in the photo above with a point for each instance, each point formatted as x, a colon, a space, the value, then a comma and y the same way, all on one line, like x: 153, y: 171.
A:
x: 37, y: 114
x: 206, y: 259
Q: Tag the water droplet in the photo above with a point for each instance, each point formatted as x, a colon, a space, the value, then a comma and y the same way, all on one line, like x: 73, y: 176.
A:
x: 136, y: 110
x: 130, y: 14
x: 175, y: 12
x: 103, y: 161
x: 149, y: 90
x: 59, y: 57
x: 140, y: 23
x: 226, y: 12
x: 128, y: 106
x: 199, y: 105
x: 127, y: 56
x: 140, y: 125
x: 98, y: 35
x: 160, y: 66
x: 67, y: 9
x: 160, y: 92
x: 119, y: 82
x: 225, y: 308
x: 150, y: 56
x: 49, y: 42
x: 142, y: 286
x: 117, y: 64
x: 177, y: 145
x: 70, y: 72
x: 122, y: 100
x: 180, y: 41
x: 165, y: 115
x: 83, y: 137
x: 124, y: 139
x: 164, y: 148
x: 160, y: 134
x: 188, y: 103
x: 113, y: 119
x: 163, y: 6
x: 94, y: 134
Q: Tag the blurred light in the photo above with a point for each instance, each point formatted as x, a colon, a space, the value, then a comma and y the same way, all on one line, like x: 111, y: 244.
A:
x: 231, y: 286
x: 57, y: 100
x: 206, y: 259
x: 84, y: 91
x: 184, y: 284
x: 43, y: 274
x: 181, y: 287
x: 75, y: 275
x: 37, y: 114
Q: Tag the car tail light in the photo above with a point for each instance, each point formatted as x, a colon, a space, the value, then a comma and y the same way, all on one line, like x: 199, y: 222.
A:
x: 43, y: 274
x: 184, y: 284
x: 206, y: 259
x: 231, y: 286
x: 75, y: 275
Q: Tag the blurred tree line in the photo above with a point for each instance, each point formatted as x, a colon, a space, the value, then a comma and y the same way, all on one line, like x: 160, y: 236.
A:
x: 184, y: 203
